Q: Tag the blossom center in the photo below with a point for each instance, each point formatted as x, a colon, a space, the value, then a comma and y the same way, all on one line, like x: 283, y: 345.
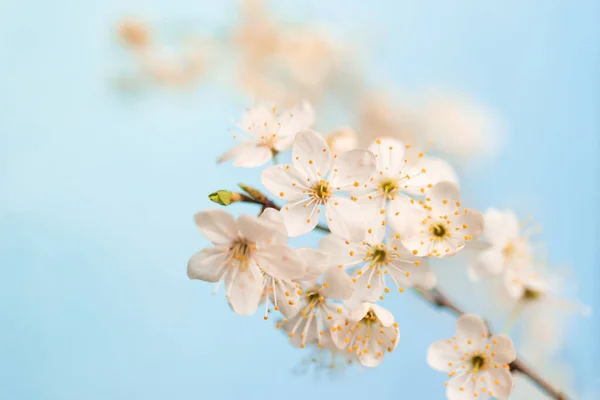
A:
x: 531, y: 294
x: 379, y: 255
x: 369, y: 317
x: 438, y: 230
x: 241, y: 251
x: 388, y: 187
x: 508, y: 250
x: 478, y: 362
x: 321, y: 191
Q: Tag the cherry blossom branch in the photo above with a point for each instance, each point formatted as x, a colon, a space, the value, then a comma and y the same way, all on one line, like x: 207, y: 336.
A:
x: 434, y: 296
x: 437, y: 298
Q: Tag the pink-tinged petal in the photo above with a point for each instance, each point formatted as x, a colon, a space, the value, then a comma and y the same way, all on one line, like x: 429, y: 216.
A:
x: 389, y: 154
x: 352, y: 169
x: 427, y: 172
x: 207, y: 265
x: 254, y: 157
x: 501, y: 226
x: 315, y: 263
x: 386, y: 317
x: 337, y: 284
x: 504, y: 349
x: 443, y: 356
x: 474, y: 224
x: 340, y: 251
x: 284, y: 181
x: 244, y: 289
x: 256, y: 229
x: 471, y: 330
x: 444, y: 197
x: 501, y: 382
x: 300, y: 217
x: 311, y: 155
x: 462, y: 387
x: 217, y: 225
x: 345, y: 219
x: 280, y: 262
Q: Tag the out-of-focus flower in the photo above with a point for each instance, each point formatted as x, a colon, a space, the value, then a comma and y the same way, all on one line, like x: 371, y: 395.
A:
x: 313, y: 180
x: 509, y: 245
x: 368, y: 331
x: 478, y: 365
x: 326, y: 359
x: 395, y: 182
x: 267, y: 132
x: 342, y: 140
x: 134, y: 33
x: 457, y: 126
x: 312, y: 322
x: 440, y: 228
x: 243, y: 251
x: 373, y: 258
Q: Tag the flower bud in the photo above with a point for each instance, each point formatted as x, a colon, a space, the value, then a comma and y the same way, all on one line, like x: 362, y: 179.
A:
x: 225, y: 197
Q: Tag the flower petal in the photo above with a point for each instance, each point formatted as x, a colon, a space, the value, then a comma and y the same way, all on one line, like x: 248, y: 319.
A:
x: 254, y: 157
x: 244, y: 290
x: 217, y: 225
x: 279, y: 261
x: 344, y: 218
x: 284, y: 182
x: 501, y: 226
x: 429, y: 171
x: 236, y: 150
x: 311, y: 155
x: 256, y: 229
x: 442, y: 356
x: 501, y: 382
x: 299, y: 118
x: 405, y: 272
x: 461, y: 387
x: 357, y: 313
x: 207, y: 265
x: 352, y: 169
x: 474, y: 222
x: 340, y: 251
x: 315, y: 263
x: 486, y: 264
x: 444, y: 198
x: 368, y: 287
x: 471, y: 329
x: 504, y: 349
x: 386, y: 317
x: 300, y: 217
x: 337, y: 284
x: 389, y: 154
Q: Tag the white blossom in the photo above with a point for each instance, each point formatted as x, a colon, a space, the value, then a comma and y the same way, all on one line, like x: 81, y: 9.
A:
x: 315, y: 179
x: 243, y: 252
x: 369, y: 331
x: 441, y: 228
x: 477, y: 365
x: 373, y: 258
x: 267, y: 132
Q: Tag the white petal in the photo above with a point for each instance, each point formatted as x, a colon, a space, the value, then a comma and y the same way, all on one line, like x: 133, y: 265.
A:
x: 386, y: 317
x: 258, y: 121
x: 442, y: 356
x: 280, y: 262
x: 503, y: 346
x: 444, y: 198
x: 470, y: 327
x: 236, y: 150
x: 501, y: 227
x: 464, y: 382
x: 486, y: 264
x: 275, y: 218
x: 359, y: 312
x: 405, y: 215
x: 244, y: 290
x: 300, y: 217
x: 407, y: 273
x: 217, y: 225
x: 254, y: 157
x: 315, y: 263
x: 256, y: 229
x: 284, y: 295
x: 503, y: 388
x: 344, y: 218
x: 436, y: 170
x: 311, y: 155
x: 389, y: 154
x: 352, y: 169
x: 368, y: 287
x: 207, y: 265
x: 340, y: 251
x: 474, y: 221
x: 300, y: 118
x: 337, y: 284
x: 284, y: 182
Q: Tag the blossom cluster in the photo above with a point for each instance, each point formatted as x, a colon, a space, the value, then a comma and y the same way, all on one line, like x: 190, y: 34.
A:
x: 386, y: 212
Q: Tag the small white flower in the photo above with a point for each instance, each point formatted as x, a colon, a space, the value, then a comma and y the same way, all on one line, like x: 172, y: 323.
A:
x: 396, y: 181
x: 312, y: 323
x: 313, y: 180
x: 368, y: 331
x: 441, y: 228
x: 268, y: 133
x: 244, y: 251
x: 478, y: 365
x: 508, y: 245
x: 373, y: 258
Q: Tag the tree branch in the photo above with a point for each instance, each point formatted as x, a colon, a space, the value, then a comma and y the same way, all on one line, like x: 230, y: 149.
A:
x: 434, y: 296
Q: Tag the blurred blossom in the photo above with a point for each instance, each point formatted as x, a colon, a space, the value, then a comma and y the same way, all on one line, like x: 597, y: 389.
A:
x: 342, y: 140
x: 458, y: 126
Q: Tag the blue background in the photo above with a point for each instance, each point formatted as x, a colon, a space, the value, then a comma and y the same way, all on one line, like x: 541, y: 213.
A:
x: 97, y: 193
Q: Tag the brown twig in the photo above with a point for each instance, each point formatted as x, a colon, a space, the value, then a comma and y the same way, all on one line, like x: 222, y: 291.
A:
x: 434, y: 296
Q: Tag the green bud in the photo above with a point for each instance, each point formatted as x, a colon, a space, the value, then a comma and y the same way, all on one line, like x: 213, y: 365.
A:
x: 222, y: 197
